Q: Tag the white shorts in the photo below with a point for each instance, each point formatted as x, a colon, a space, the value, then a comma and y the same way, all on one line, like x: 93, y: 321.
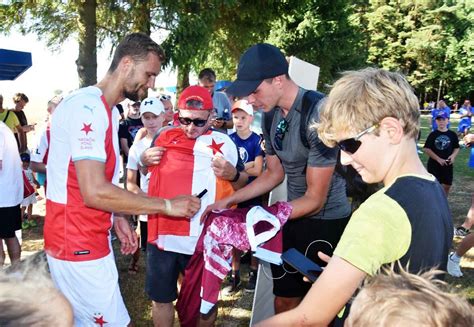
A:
x: 92, y: 289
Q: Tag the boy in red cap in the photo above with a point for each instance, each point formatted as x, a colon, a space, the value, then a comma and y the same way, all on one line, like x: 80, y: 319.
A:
x: 185, y: 160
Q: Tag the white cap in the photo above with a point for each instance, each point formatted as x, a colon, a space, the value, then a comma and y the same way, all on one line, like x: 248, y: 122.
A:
x: 153, y: 105
x: 243, y: 105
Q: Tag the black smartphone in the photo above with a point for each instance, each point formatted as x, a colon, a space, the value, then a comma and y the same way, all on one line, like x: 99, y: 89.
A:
x: 200, y: 195
x: 300, y: 262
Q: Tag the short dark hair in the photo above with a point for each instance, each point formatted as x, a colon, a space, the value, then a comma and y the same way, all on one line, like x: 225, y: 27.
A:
x: 208, y: 74
x: 20, y: 96
x: 137, y: 46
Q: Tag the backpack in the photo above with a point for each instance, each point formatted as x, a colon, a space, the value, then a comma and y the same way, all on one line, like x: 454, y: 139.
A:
x: 356, y: 188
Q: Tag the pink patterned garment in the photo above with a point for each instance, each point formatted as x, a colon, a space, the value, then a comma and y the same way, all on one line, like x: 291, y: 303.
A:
x: 257, y: 229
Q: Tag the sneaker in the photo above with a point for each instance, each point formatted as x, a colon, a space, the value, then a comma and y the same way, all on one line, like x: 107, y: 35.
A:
x: 453, y: 266
x: 250, y: 287
x: 461, y: 231
x: 25, y: 224
x: 233, y: 287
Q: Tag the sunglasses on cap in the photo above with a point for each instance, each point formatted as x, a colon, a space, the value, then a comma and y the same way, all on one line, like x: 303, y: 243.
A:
x: 353, y: 144
x: 193, y: 104
x: 165, y: 97
x: 187, y: 121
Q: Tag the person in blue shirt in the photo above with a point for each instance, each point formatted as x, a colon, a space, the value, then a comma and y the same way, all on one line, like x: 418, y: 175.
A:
x: 441, y: 109
x: 465, y: 113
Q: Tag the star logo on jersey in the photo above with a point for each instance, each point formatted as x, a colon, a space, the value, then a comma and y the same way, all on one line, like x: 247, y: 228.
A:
x: 216, y: 147
x: 87, y: 128
x: 99, y: 320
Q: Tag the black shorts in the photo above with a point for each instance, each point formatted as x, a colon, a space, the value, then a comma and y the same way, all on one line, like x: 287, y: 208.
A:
x: 162, y: 271
x: 444, y: 174
x: 308, y: 236
x: 10, y: 221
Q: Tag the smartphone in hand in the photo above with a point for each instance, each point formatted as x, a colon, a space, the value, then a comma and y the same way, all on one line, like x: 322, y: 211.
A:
x: 305, y: 266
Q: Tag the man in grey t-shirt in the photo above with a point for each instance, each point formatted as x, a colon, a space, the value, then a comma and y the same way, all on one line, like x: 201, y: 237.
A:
x: 320, y: 206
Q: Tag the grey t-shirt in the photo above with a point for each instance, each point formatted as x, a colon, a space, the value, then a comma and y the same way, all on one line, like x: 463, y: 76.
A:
x: 294, y: 157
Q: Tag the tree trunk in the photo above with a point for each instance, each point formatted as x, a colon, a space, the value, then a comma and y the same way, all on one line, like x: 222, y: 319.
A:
x: 87, y: 59
x: 183, y: 78
x: 141, y: 21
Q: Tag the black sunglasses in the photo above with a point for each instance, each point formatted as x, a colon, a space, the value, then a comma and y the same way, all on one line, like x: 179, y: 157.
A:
x: 280, y: 132
x: 353, y: 144
x: 197, y: 122
x: 165, y: 97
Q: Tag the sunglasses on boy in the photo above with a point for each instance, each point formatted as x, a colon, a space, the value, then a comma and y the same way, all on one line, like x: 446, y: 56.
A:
x: 197, y: 122
x: 353, y: 144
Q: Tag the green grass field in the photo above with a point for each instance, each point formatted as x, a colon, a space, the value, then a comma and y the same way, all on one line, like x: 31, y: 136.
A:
x: 236, y: 310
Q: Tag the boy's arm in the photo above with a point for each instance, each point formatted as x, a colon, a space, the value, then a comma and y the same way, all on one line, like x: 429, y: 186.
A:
x: 453, y: 155
x: 132, y: 182
x: 328, y: 295
x: 35, y: 181
x: 257, y: 167
x: 434, y: 156
x: 124, y: 146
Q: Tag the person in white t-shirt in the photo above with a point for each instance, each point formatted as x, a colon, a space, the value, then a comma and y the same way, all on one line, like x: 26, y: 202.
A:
x: 11, y: 194
x: 153, y: 116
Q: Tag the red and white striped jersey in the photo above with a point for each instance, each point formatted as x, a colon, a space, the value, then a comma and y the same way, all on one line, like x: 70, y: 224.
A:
x: 186, y: 169
x: 83, y: 127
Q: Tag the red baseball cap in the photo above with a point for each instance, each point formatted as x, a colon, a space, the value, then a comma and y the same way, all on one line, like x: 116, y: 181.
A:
x: 195, y: 98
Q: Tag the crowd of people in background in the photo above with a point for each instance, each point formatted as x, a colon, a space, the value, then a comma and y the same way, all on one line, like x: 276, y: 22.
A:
x: 182, y: 161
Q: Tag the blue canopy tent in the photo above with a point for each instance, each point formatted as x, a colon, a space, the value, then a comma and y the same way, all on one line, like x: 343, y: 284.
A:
x: 13, y: 64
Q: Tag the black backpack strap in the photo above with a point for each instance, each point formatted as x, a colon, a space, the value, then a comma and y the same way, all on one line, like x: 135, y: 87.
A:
x: 268, y: 120
x: 310, y: 101
x: 6, y: 116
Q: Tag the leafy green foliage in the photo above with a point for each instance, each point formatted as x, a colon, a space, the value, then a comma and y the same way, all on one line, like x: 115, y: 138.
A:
x: 430, y: 41
x: 323, y: 32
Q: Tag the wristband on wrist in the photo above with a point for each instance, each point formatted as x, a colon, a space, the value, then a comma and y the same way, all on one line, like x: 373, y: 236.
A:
x: 167, y: 207
x: 236, y: 178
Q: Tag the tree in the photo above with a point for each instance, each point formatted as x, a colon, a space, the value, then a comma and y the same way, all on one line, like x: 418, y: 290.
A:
x: 89, y: 21
x: 322, y: 32
x: 428, y: 41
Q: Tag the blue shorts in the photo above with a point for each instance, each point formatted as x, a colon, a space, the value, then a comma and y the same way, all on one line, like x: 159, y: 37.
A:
x: 162, y: 271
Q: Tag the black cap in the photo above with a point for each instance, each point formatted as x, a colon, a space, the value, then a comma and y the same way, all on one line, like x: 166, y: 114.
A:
x: 25, y: 157
x: 258, y: 63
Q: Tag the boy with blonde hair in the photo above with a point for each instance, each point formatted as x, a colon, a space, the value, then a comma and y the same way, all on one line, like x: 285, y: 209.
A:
x: 372, y: 115
x: 383, y: 300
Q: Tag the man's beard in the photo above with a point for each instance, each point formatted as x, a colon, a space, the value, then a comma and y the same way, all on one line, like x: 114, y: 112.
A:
x: 131, y: 95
